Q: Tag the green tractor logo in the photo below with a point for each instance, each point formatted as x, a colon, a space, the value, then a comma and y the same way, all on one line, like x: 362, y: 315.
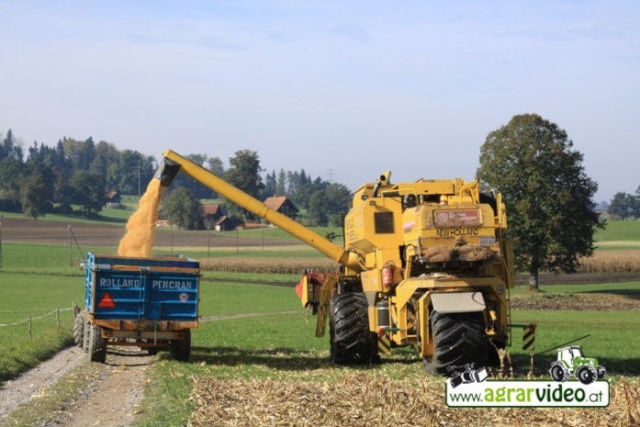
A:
x: 572, y: 363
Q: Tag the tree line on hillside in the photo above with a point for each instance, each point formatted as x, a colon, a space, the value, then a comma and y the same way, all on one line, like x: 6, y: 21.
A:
x: 625, y: 205
x: 70, y: 174
x: 74, y: 176
x: 319, y: 202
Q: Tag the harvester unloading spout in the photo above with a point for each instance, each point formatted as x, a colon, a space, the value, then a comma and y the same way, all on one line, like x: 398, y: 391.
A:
x: 173, y: 163
x: 167, y: 171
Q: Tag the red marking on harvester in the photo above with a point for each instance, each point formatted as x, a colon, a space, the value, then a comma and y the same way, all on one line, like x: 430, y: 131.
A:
x: 106, y: 302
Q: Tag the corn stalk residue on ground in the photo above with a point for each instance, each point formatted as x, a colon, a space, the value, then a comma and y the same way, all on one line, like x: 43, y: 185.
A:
x: 139, y: 239
x: 357, y: 400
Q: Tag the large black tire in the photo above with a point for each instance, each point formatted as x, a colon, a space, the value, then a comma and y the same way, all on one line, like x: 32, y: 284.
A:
x: 78, y: 329
x: 181, y: 349
x: 458, y: 339
x: 351, y: 341
x: 97, y: 349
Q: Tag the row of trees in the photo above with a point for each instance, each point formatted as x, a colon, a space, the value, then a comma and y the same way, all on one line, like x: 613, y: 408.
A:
x: 320, y: 202
x: 625, y: 205
x: 78, y: 174
x: 72, y: 173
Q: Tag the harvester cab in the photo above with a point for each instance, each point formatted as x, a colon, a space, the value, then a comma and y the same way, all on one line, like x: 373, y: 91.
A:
x: 424, y: 264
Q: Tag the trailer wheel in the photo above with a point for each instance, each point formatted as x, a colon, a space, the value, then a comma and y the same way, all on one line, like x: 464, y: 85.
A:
x: 458, y: 339
x: 85, y: 333
x: 97, y: 348
x: 181, y: 349
x: 351, y: 340
x: 78, y: 329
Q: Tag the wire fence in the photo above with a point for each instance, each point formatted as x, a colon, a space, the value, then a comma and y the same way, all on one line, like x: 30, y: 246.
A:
x: 31, y: 319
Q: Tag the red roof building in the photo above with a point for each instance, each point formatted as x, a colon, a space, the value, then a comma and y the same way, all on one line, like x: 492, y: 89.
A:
x: 283, y: 205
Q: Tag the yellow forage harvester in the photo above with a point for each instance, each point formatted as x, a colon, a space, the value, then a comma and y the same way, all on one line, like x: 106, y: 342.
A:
x: 424, y: 264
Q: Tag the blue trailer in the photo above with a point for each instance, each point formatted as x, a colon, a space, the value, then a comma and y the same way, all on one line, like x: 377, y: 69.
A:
x: 150, y: 303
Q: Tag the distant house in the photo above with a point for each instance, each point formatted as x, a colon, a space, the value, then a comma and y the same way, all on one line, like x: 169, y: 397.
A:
x: 283, y: 205
x: 211, y: 210
x: 112, y: 200
x: 211, y: 214
x: 224, y: 223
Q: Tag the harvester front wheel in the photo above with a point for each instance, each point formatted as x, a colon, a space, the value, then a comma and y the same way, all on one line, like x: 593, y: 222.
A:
x: 458, y: 339
x: 351, y: 340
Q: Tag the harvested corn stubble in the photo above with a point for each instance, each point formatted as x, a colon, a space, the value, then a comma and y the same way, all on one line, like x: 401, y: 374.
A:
x: 358, y: 400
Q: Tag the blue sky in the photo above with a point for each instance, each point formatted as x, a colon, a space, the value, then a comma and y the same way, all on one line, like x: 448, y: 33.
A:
x: 342, y: 89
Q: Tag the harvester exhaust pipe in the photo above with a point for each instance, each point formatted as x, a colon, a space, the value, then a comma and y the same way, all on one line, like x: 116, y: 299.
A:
x: 167, y: 171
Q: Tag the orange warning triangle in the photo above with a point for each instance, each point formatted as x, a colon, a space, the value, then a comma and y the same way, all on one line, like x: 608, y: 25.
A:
x: 106, y: 302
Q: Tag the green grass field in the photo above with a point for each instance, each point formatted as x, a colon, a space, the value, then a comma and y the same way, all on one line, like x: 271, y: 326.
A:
x: 30, y: 308
x: 619, y: 235
x: 278, y: 340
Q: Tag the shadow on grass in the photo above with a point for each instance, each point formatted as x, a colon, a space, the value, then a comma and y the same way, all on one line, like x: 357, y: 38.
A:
x: 285, y: 359
x: 628, y: 293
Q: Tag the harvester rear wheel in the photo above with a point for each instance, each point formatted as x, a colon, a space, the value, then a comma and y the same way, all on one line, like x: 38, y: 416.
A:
x: 458, y: 339
x: 97, y: 348
x: 351, y: 340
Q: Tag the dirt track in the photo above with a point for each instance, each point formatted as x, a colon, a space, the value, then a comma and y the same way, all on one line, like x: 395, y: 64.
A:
x: 120, y: 382
x: 121, y: 385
